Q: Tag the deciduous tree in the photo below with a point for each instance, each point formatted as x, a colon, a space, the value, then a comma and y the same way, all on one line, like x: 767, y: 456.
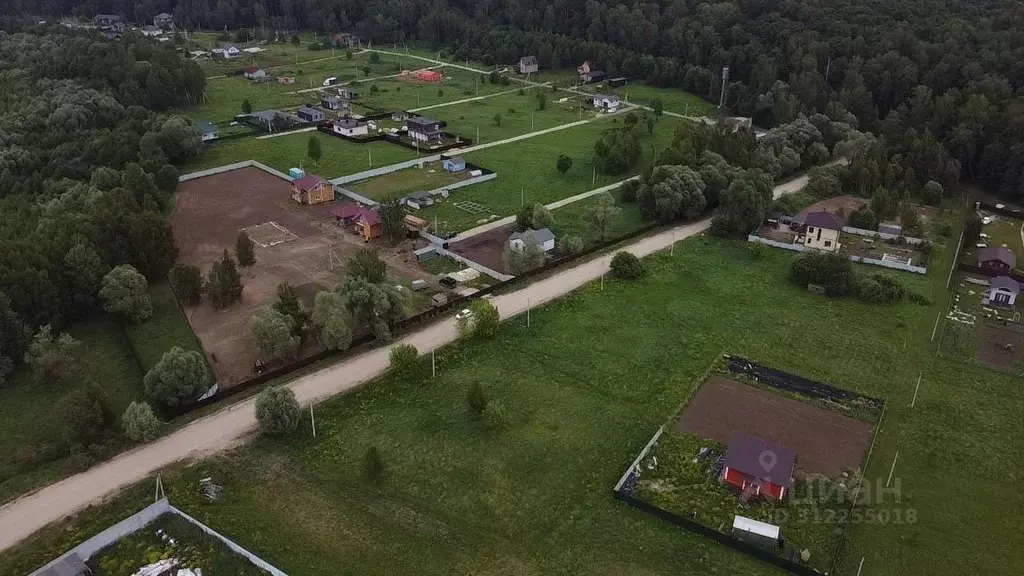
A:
x: 277, y: 411
x: 50, y: 355
x: 273, y: 334
x: 600, y: 217
x: 187, y: 282
x: 330, y: 320
x: 180, y: 377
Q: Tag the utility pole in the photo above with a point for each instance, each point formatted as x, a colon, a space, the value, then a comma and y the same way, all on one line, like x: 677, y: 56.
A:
x: 593, y: 179
x: 527, y: 312
x: 369, y: 157
x: 311, y: 419
x: 522, y: 195
x: 433, y: 363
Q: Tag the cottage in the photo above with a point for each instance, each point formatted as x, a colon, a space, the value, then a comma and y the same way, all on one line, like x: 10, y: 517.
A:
x: 164, y: 21
x: 286, y: 79
x: 335, y: 103
x: 589, y: 73
x: 345, y: 40
x: 544, y: 237
x: 608, y: 102
x: 209, y: 130
x: 255, y: 73
x: 527, y: 65
x: 758, y: 468
x: 312, y: 189
x: 106, y: 20
x: 400, y: 116
x: 1003, y: 291
x: 309, y: 114
x: 425, y: 129
x: 151, y: 31
x: 998, y: 259
x: 454, y: 164
x: 345, y: 213
x: 347, y: 93
x: 432, y: 76
x: 821, y: 231
x: 227, y: 51
x: 350, y: 127
x: 368, y: 224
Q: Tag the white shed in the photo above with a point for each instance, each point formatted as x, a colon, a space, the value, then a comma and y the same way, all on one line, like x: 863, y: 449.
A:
x: 760, y: 534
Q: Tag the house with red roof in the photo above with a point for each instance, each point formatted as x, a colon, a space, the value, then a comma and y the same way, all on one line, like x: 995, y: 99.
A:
x: 758, y: 468
x: 312, y: 189
x: 255, y: 73
x: 363, y: 221
x: 998, y: 259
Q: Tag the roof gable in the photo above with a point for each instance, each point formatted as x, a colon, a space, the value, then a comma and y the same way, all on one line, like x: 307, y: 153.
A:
x: 997, y: 253
x: 308, y: 182
x: 1005, y: 283
x: 825, y: 220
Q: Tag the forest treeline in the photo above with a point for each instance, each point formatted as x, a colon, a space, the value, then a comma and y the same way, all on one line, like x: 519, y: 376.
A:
x: 87, y: 165
x: 913, y: 72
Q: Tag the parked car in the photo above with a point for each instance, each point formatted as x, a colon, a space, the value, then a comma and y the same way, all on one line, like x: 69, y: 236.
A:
x: 447, y: 282
x: 464, y: 314
x: 418, y: 285
x: 438, y: 300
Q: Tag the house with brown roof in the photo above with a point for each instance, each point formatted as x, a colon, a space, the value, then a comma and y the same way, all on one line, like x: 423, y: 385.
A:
x: 758, y: 468
x: 821, y: 231
x: 312, y: 189
x: 527, y: 65
x: 998, y: 259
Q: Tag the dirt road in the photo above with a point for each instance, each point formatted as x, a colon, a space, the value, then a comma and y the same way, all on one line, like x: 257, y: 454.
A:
x: 227, y: 427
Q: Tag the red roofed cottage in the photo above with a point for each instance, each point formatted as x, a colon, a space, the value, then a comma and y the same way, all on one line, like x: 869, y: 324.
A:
x: 312, y: 189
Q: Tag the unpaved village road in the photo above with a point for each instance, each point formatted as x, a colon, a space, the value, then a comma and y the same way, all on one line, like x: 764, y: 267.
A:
x: 227, y: 427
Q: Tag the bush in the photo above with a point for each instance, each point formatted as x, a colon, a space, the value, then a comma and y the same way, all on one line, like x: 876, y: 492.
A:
x: 571, y: 244
x: 83, y: 416
x: 476, y: 399
x: 485, y: 321
x: 925, y: 248
x: 139, y: 422
x: 864, y: 219
x: 373, y: 464
x: 919, y: 299
x: 494, y: 416
x: 178, y: 378
x: 757, y: 250
x: 124, y: 294
x: 187, y: 282
x: 833, y: 271
x: 628, y: 190
x: 277, y: 411
x: 626, y: 265
x: 405, y: 362
x: 880, y: 289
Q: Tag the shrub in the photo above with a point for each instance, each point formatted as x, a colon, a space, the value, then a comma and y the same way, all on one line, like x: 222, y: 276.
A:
x: 919, y: 298
x: 485, y: 321
x: 571, y: 244
x: 187, y: 282
x: 50, y: 356
x: 139, y: 422
x: 925, y: 248
x: 277, y: 411
x: 178, y: 378
x: 124, y: 294
x: 864, y: 219
x: 626, y: 265
x: 494, y: 416
x: 373, y: 464
x: 83, y: 416
x: 405, y: 362
x: 880, y: 289
x: 476, y: 399
x: 628, y: 190
x: 833, y: 271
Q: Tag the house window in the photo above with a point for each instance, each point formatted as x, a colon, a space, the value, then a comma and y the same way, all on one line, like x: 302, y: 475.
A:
x: 828, y: 243
x: 810, y: 229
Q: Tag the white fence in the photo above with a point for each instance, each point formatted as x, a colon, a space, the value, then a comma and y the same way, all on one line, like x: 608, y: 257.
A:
x: 783, y: 245
x: 144, y: 518
x: 636, y: 462
x: 474, y: 265
x: 883, y: 235
x: 230, y: 167
x: 384, y: 170
x: 357, y: 197
x: 888, y: 264
x: 464, y: 183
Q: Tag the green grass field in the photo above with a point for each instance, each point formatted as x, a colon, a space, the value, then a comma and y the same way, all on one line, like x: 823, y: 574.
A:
x: 406, y: 93
x: 674, y: 100
x: 339, y: 156
x: 519, y: 115
x: 569, y: 220
x: 526, y: 172
x: 166, y: 329
x: 403, y: 182
x: 535, y: 497
x: 31, y: 450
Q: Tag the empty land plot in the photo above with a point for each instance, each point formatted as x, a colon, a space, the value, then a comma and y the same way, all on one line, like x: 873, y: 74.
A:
x: 518, y: 113
x: 675, y: 100
x: 340, y: 157
x: 403, y: 182
x: 294, y: 245
x: 999, y: 345
x: 405, y: 92
x: 825, y: 442
x: 485, y: 248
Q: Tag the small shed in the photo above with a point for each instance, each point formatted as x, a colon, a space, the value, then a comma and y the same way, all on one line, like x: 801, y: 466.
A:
x: 1003, y: 291
x: 454, y: 164
x: 527, y: 65
x: 286, y: 79
x: 432, y: 76
x: 544, y: 237
x: 606, y: 101
x: 761, y: 534
x: 296, y: 173
x: 310, y: 114
x: 893, y: 228
x: 418, y: 200
x: 368, y: 224
x: 617, y: 82
x: 208, y: 130
x: 426, y: 253
x: 346, y: 212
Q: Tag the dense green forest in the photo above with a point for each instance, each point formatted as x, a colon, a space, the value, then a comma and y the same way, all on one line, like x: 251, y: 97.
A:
x: 915, y: 73
x: 87, y: 165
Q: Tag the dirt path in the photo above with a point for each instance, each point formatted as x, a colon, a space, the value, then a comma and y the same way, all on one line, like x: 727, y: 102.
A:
x: 229, y: 426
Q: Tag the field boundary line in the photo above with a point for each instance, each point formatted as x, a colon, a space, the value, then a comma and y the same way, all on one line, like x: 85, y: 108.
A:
x: 463, y: 101
x: 916, y: 388
x: 289, y: 133
x: 893, y: 469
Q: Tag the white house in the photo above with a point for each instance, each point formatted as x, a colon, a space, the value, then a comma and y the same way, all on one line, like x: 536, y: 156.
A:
x: 545, y: 237
x: 350, y: 127
x: 151, y: 31
x: 227, y: 51
x: 606, y: 101
x: 1003, y: 291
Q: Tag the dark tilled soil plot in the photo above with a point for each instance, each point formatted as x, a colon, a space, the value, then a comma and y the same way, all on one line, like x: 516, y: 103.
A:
x: 485, y: 248
x: 999, y: 346
x: 825, y: 442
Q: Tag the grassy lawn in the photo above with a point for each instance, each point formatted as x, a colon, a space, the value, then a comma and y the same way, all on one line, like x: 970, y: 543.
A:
x: 404, y: 182
x: 519, y: 115
x: 166, y: 329
x: 339, y: 156
x: 31, y: 450
x: 569, y: 220
x: 1004, y: 232
x: 403, y: 94
x: 674, y: 100
x: 584, y: 387
x: 526, y: 172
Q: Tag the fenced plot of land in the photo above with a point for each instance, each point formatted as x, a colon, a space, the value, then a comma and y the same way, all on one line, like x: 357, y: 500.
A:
x: 295, y: 244
x: 999, y: 345
x: 825, y: 442
x: 485, y: 248
x: 397, y: 184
